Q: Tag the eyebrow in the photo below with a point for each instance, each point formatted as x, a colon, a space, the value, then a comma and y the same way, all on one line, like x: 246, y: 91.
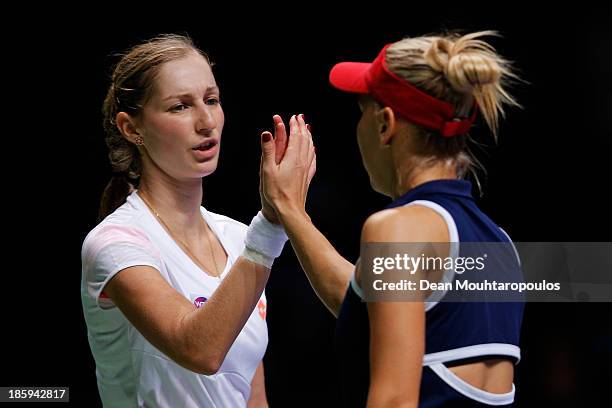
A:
x: 179, y: 96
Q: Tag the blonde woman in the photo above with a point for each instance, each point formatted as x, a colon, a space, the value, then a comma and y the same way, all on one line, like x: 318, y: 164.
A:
x: 418, y: 100
x: 173, y: 293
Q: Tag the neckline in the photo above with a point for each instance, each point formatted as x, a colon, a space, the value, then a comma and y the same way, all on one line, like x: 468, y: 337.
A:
x: 211, y: 225
x: 456, y: 187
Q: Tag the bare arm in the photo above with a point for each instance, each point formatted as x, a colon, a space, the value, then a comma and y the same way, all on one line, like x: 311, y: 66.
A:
x: 396, y: 353
x: 397, y: 329
x: 258, y: 397
x: 197, y: 339
x: 328, y: 272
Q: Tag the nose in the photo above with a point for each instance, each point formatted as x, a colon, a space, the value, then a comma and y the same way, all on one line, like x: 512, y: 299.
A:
x: 206, y: 121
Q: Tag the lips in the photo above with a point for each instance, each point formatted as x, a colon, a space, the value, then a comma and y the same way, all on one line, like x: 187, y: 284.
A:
x: 207, y: 150
x: 206, y: 145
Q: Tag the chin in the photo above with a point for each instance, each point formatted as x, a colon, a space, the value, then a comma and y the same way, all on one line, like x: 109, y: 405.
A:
x: 207, y: 168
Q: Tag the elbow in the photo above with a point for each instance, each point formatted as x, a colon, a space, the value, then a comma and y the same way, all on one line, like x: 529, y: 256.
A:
x: 197, y: 355
x: 205, y: 365
x: 205, y: 361
x: 208, y: 367
x: 200, y: 360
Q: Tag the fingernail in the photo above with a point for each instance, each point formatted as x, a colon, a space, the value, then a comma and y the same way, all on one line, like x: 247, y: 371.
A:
x: 266, y: 137
x: 308, y: 127
x: 302, y: 116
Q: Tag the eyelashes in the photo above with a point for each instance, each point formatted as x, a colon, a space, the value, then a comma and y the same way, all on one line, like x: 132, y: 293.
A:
x: 181, y: 106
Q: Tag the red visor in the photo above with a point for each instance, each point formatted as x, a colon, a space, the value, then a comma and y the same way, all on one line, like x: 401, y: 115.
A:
x: 404, y: 98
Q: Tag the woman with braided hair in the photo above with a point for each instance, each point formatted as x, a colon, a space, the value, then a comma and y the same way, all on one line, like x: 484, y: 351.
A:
x: 418, y: 100
x: 172, y: 293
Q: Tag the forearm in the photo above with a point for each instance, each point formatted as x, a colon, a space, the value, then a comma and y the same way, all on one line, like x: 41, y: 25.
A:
x: 210, y: 331
x: 328, y: 272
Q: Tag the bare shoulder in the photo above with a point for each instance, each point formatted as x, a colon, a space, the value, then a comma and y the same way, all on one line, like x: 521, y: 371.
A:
x: 412, y: 223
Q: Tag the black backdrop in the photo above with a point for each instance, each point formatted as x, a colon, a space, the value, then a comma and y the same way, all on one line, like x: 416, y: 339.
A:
x: 547, y: 177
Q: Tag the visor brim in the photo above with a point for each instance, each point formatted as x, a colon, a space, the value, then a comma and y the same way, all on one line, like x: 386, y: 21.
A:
x: 350, y: 77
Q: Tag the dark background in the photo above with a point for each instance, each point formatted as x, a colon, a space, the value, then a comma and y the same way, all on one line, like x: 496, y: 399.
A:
x: 547, y: 179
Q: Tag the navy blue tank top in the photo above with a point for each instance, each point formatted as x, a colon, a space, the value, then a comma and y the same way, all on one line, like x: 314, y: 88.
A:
x: 454, y: 331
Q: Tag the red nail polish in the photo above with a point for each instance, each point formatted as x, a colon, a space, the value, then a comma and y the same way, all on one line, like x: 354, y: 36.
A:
x: 308, y: 127
x: 267, y: 137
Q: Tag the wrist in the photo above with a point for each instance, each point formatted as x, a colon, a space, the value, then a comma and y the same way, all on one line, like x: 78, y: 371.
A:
x: 264, y: 241
x: 289, y: 215
x: 270, y: 215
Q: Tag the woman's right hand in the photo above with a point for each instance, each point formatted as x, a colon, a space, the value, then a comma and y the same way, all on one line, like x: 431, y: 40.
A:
x: 287, y: 167
x: 280, y: 145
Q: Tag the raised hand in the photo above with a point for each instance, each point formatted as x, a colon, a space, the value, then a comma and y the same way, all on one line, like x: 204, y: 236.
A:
x: 280, y: 142
x: 287, y: 166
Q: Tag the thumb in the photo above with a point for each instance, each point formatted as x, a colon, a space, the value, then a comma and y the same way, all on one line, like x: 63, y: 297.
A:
x: 268, y: 149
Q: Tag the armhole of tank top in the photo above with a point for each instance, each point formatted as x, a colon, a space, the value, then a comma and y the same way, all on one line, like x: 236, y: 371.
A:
x: 518, y: 258
x: 453, y: 234
x: 356, y: 287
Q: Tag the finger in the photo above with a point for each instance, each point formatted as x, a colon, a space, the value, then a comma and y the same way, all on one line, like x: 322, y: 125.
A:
x: 311, y: 150
x: 303, y: 129
x: 302, y: 123
x: 268, y: 149
x: 280, y: 138
x: 309, y: 132
x: 312, y: 169
x: 293, y: 142
x: 301, y: 144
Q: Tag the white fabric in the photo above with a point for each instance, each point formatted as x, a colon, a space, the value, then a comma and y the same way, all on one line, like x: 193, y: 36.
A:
x: 490, y: 349
x: 453, y: 234
x: 265, y: 238
x: 130, y: 371
x: 449, y: 274
x: 516, y: 253
x: 464, y: 388
x: 257, y: 257
x: 356, y: 288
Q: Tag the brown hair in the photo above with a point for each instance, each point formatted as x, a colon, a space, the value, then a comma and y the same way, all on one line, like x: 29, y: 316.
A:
x: 131, y: 84
x: 459, y: 69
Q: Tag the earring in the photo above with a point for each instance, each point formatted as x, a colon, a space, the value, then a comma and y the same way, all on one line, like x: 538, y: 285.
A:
x: 139, y: 141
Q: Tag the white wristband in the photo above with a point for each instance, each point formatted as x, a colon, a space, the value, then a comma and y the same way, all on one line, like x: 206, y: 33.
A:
x: 264, y: 241
x: 257, y: 258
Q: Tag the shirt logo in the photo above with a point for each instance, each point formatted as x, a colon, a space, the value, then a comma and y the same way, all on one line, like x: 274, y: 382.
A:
x: 261, y: 307
x: 199, y: 301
